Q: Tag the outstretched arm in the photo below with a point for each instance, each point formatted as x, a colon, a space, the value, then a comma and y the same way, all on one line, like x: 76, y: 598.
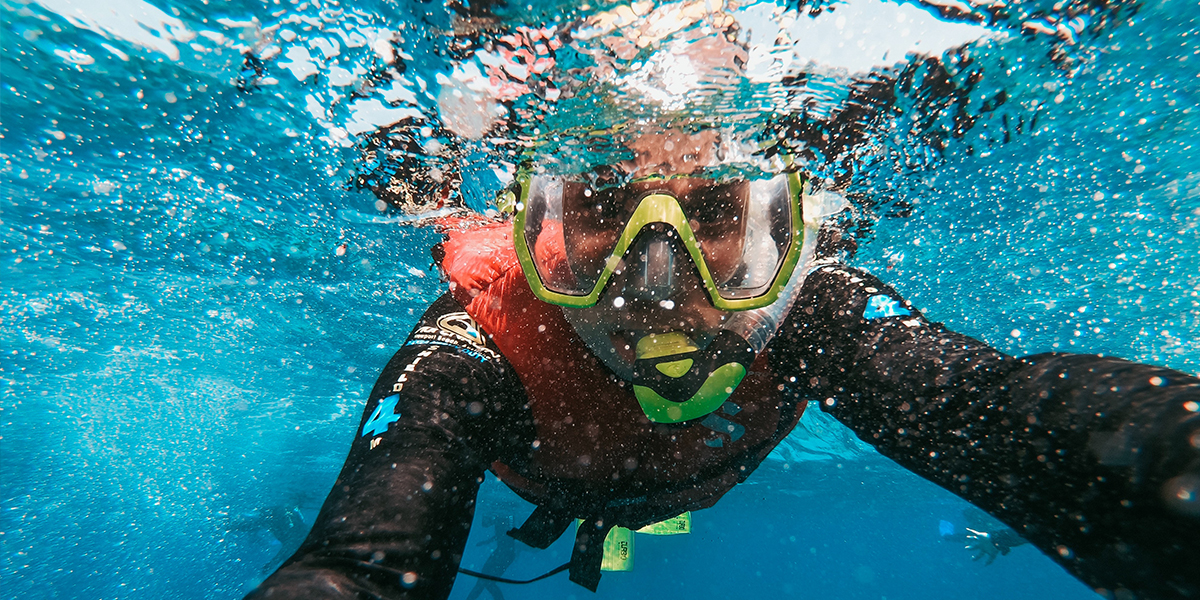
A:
x: 1095, y: 460
x: 396, y: 521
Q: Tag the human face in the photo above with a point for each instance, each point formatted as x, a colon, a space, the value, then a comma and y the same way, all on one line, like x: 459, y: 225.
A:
x: 632, y: 306
x: 664, y: 249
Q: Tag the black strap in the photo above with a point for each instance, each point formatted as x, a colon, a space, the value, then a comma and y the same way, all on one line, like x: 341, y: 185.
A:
x: 542, y: 527
x: 556, y: 571
x: 588, y: 555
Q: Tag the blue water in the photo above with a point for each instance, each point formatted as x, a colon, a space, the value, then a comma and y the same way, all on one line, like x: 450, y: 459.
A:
x: 194, y: 299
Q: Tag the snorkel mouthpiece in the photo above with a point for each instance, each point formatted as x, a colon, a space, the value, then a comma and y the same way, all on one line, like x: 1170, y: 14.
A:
x: 675, y: 381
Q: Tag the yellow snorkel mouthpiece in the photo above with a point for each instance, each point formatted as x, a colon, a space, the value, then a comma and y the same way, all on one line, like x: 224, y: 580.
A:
x: 675, y: 381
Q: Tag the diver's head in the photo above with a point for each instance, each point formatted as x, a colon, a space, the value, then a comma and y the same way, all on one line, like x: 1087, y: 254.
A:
x: 654, y: 258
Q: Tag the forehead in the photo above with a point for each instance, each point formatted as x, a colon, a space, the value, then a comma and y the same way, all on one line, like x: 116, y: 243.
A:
x: 636, y: 152
x: 679, y: 151
x: 670, y: 153
x: 688, y: 190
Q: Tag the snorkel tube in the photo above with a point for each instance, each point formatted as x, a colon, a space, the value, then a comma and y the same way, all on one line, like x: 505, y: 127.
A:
x: 675, y: 381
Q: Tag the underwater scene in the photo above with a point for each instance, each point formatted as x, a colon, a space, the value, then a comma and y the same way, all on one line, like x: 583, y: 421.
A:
x: 218, y: 220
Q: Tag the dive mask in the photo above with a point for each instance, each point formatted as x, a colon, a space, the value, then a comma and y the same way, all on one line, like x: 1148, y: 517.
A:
x: 744, y: 238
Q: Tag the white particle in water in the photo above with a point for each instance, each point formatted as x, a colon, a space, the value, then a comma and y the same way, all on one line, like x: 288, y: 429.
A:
x: 618, y: 302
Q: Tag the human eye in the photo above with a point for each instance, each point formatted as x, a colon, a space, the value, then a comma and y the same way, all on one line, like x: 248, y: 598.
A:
x: 715, y: 204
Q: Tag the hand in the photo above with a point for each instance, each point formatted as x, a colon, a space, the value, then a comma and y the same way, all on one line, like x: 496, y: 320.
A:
x: 982, y: 544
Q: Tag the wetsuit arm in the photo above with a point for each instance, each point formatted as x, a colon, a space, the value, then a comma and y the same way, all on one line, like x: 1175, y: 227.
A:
x: 1095, y: 460
x: 397, y: 519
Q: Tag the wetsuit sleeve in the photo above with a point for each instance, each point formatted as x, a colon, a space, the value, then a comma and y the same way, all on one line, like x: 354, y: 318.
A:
x: 396, y: 521
x: 1095, y: 460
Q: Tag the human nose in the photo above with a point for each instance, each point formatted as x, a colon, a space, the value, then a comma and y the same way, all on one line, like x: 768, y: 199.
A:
x: 654, y: 268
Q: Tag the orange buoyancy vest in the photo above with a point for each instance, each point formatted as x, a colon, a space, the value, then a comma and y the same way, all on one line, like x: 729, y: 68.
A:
x: 596, y: 453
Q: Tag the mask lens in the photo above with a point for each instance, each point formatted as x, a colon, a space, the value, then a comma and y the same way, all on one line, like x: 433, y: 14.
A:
x: 766, y: 235
x: 594, y: 220
x: 743, y: 228
x: 571, y: 230
x: 543, y: 233
x: 716, y: 213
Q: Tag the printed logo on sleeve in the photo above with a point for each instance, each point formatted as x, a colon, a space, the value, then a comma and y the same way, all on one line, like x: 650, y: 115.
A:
x: 462, y: 325
x: 456, y: 330
x: 882, y: 305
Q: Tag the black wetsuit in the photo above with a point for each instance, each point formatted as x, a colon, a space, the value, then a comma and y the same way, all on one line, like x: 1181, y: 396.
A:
x: 1090, y: 458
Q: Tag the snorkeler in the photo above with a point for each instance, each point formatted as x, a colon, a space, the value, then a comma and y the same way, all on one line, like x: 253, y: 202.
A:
x: 635, y: 340
x: 501, y: 558
x: 982, y: 536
